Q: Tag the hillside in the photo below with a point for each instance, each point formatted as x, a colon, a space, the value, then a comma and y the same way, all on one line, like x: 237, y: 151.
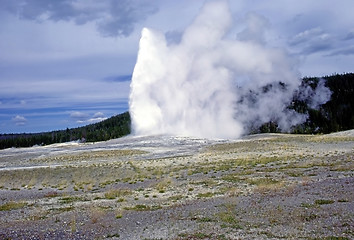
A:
x: 335, y: 115
x: 114, y: 127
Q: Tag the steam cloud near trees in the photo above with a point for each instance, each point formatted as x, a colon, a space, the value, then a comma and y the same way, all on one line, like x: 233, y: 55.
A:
x: 211, y: 84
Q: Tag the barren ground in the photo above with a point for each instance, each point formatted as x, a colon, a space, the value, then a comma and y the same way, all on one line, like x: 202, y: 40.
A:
x: 269, y: 186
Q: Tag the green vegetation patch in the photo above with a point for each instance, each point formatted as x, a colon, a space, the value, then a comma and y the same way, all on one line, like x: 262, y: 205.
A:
x: 71, y: 199
x: 117, y: 193
x: 331, y: 238
x: 62, y: 209
x: 197, y: 235
x: 114, y: 235
x: 228, y: 220
x: 262, y: 181
x: 12, y: 206
x: 142, y: 207
x: 176, y: 198
x: 232, y: 178
x: 323, y: 201
x: 205, y: 195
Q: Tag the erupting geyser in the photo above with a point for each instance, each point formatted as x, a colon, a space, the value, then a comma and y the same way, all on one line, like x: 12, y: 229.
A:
x: 210, y: 85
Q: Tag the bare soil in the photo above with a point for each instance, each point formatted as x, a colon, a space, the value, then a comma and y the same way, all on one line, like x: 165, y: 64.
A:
x: 267, y: 186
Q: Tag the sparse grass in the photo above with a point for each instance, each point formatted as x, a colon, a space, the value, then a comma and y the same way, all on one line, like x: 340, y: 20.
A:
x: 323, y: 201
x: 61, y: 209
x: 71, y: 199
x: 119, y: 214
x: 307, y: 217
x: 51, y: 194
x: 73, y: 224
x: 197, y: 235
x: 60, y: 178
x: 307, y: 205
x: 205, y: 195
x: 143, y: 207
x: 162, y: 185
x: 295, y: 174
x: 264, y: 185
x: 114, y: 193
x: 96, y: 214
x: 232, y: 178
x: 175, y: 198
x: 113, y: 235
x: 332, y: 139
x: 90, y: 155
x: 205, y: 219
x: 336, y: 238
x: 205, y: 182
x: 232, y: 169
x: 12, y: 206
x: 262, y: 181
x: 228, y: 220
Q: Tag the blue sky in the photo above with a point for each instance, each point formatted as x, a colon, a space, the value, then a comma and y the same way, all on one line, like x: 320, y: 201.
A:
x: 68, y: 63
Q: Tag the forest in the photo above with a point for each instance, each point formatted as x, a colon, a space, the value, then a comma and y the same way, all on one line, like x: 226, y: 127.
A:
x: 114, y: 127
x: 335, y: 115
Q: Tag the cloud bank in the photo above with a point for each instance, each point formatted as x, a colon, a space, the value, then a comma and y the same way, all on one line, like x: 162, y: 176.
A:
x: 113, y: 18
x: 209, y: 85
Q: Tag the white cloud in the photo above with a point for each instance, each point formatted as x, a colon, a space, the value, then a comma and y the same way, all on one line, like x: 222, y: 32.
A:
x: 312, y: 41
x: 79, y: 116
x: 307, y: 35
x: 98, y: 115
x: 92, y: 120
x: 19, y: 120
x: 85, y: 118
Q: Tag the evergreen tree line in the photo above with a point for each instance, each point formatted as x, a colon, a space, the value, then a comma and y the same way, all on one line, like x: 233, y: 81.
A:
x: 335, y: 115
x: 114, y: 127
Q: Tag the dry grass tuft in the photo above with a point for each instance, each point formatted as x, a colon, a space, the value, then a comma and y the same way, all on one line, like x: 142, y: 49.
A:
x: 115, y: 193
x: 12, y: 206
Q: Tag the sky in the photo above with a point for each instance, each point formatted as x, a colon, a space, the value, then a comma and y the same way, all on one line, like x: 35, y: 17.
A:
x: 68, y: 63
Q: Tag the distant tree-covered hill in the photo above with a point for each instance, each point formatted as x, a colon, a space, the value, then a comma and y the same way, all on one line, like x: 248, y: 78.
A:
x: 335, y: 115
x: 338, y: 113
x: 114, y: 127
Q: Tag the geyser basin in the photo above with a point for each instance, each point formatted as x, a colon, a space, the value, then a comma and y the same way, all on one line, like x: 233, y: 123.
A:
x: 209, y: 84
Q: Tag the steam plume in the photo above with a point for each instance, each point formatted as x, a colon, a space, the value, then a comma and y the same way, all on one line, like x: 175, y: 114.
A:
x: 209, y: 85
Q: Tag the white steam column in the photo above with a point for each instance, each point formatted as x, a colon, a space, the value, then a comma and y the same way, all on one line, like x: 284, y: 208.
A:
x: 209, y: 85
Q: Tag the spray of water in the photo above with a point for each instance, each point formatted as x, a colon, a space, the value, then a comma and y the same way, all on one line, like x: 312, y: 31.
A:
x: 210, y: 85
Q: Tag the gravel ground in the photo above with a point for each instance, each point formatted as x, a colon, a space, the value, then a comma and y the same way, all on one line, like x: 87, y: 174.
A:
x: 267, y: 186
